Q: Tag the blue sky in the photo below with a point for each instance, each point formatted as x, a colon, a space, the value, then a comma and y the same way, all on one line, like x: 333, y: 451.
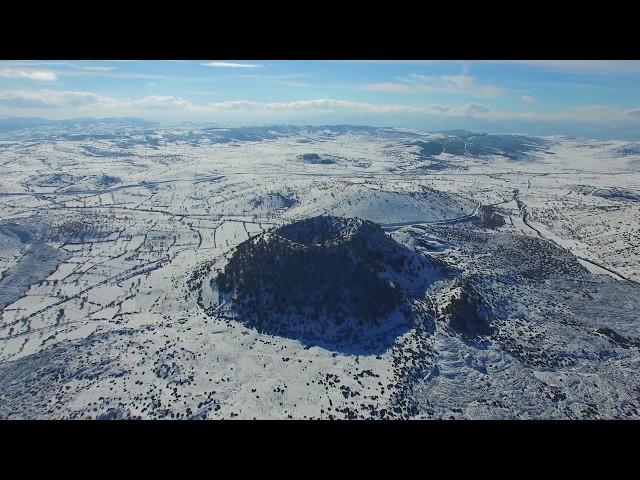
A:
x: 583, y: 98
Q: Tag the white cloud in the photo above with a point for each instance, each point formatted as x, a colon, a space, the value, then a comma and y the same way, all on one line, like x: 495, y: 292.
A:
x: 64, y: 70
x: 94, y: 68
x: 67, y: 104
x: 322, y: 104
x: 38, y: 99
x: 456, y: 84
x: 528, y: 99
x: 453, y: 84
x: 230, y: 65
x: 89, y: 102
x: 474, y: 109
x: 389, y: 87
x: 333, y: 105
x: 590, y: 113
x: 39, y: 75
x: 604, y: 67
x: 164, y: 101
x: 594, y: 114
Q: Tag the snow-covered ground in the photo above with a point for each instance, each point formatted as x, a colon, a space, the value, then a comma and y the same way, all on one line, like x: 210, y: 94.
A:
x: 99, y: 238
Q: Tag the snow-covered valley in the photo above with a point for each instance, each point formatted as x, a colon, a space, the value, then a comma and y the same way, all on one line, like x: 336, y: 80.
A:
x: 110, y: 245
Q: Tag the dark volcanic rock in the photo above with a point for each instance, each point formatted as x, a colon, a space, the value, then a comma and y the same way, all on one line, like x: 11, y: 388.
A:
x: 326, y: 280
x: 315, y: 158
x: 468, y: 312
x: 624, y: 342
x: 490, y: 217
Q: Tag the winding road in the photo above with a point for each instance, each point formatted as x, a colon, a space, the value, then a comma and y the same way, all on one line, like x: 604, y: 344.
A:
x: 448, y: 221
x: 525, y: 219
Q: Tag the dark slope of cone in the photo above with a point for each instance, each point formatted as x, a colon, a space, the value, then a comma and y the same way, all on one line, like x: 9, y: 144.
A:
x: 469, y: 312
x: 326, y: 280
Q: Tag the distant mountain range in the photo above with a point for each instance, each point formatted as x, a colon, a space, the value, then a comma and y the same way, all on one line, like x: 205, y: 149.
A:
x: 19, y: 123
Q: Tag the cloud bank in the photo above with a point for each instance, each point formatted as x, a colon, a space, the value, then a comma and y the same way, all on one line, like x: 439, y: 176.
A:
x: 67, y: 104
x: 38, y: 75
x: 448, y: 84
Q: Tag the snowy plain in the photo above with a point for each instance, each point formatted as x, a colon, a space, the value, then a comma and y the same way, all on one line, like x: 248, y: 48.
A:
x: 100, y: 236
